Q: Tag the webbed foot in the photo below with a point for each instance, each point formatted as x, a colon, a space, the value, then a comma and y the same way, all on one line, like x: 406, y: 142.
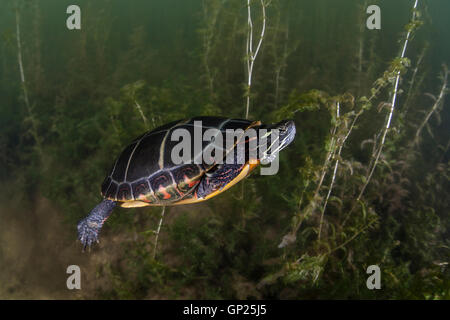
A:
x: 89, y: 228
x: 88, y: 232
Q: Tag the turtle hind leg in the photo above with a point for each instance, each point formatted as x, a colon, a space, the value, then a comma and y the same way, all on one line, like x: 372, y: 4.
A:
x: 218, y: 178
x: 89, y: 228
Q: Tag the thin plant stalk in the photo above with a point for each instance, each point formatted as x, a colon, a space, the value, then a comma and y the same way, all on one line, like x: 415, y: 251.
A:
x: 158, y: 231
x: 329, y: 156
x: 332, y: 178
x: 211, y: 20
x: 144, y: 118
x: 251, y: 55
x: 20, y: 60
x: 280, y: 60
x: 24, y: 85
x: 361, y: 44
x: 413, y: 78
x: 391, y: 112
x: 357, y: 233
x: 435, y: 106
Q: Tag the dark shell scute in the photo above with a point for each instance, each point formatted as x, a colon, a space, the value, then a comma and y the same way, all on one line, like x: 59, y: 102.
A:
x: 120, y: 168
x: 111, y: 192
x: 145, y: 157
x: 140, y: 188
x: 164, y: 187
x: 124, y: 192
x: 162, y: 179
x: 186, y: 177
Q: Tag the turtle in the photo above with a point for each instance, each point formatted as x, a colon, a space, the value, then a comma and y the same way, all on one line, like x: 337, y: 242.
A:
x: 146, y: 174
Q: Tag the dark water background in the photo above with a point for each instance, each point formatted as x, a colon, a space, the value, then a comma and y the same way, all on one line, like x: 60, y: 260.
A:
x: 184, y: 58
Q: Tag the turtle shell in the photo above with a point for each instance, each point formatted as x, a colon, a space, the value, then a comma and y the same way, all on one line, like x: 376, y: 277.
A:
x: 144, y: 173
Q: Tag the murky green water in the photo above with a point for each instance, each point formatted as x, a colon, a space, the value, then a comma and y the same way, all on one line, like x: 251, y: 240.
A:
x: 349, y: 193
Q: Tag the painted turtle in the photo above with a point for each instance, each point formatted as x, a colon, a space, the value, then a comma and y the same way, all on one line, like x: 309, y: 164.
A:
x: 146, y: 174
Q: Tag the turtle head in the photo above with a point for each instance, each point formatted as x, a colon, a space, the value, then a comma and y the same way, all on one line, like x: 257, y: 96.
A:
x: 286, y: 133
x: 279, y: 138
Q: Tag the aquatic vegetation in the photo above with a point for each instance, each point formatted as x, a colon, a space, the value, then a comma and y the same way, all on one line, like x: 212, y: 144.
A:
x: 365, y: 183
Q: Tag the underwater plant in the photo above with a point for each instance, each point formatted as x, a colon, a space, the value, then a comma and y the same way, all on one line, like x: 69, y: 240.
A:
x: 364, y: 183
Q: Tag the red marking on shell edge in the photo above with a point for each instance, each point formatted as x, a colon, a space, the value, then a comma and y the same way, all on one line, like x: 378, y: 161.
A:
x: 144, y: 199
x: 193, y: 183
x: 164, y: 192
x: 189, y: 182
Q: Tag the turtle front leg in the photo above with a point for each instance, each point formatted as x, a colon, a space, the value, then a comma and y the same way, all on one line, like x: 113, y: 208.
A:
x: 222, y: 174
x: 89, y: 227
x: 218, y: 179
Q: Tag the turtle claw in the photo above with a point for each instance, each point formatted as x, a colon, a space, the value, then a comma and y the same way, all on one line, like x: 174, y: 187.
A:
x: 88, y: 231
x: 89, y: 227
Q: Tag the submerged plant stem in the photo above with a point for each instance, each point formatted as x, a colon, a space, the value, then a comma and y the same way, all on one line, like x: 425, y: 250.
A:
x: 144, y: 118
x: 251, y: 55
x: 158, y: 230
x: 24, y: 85
x: 413, y: 79
x: 333, y: 177
x: 435, y: 106
x: 391, y: 112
